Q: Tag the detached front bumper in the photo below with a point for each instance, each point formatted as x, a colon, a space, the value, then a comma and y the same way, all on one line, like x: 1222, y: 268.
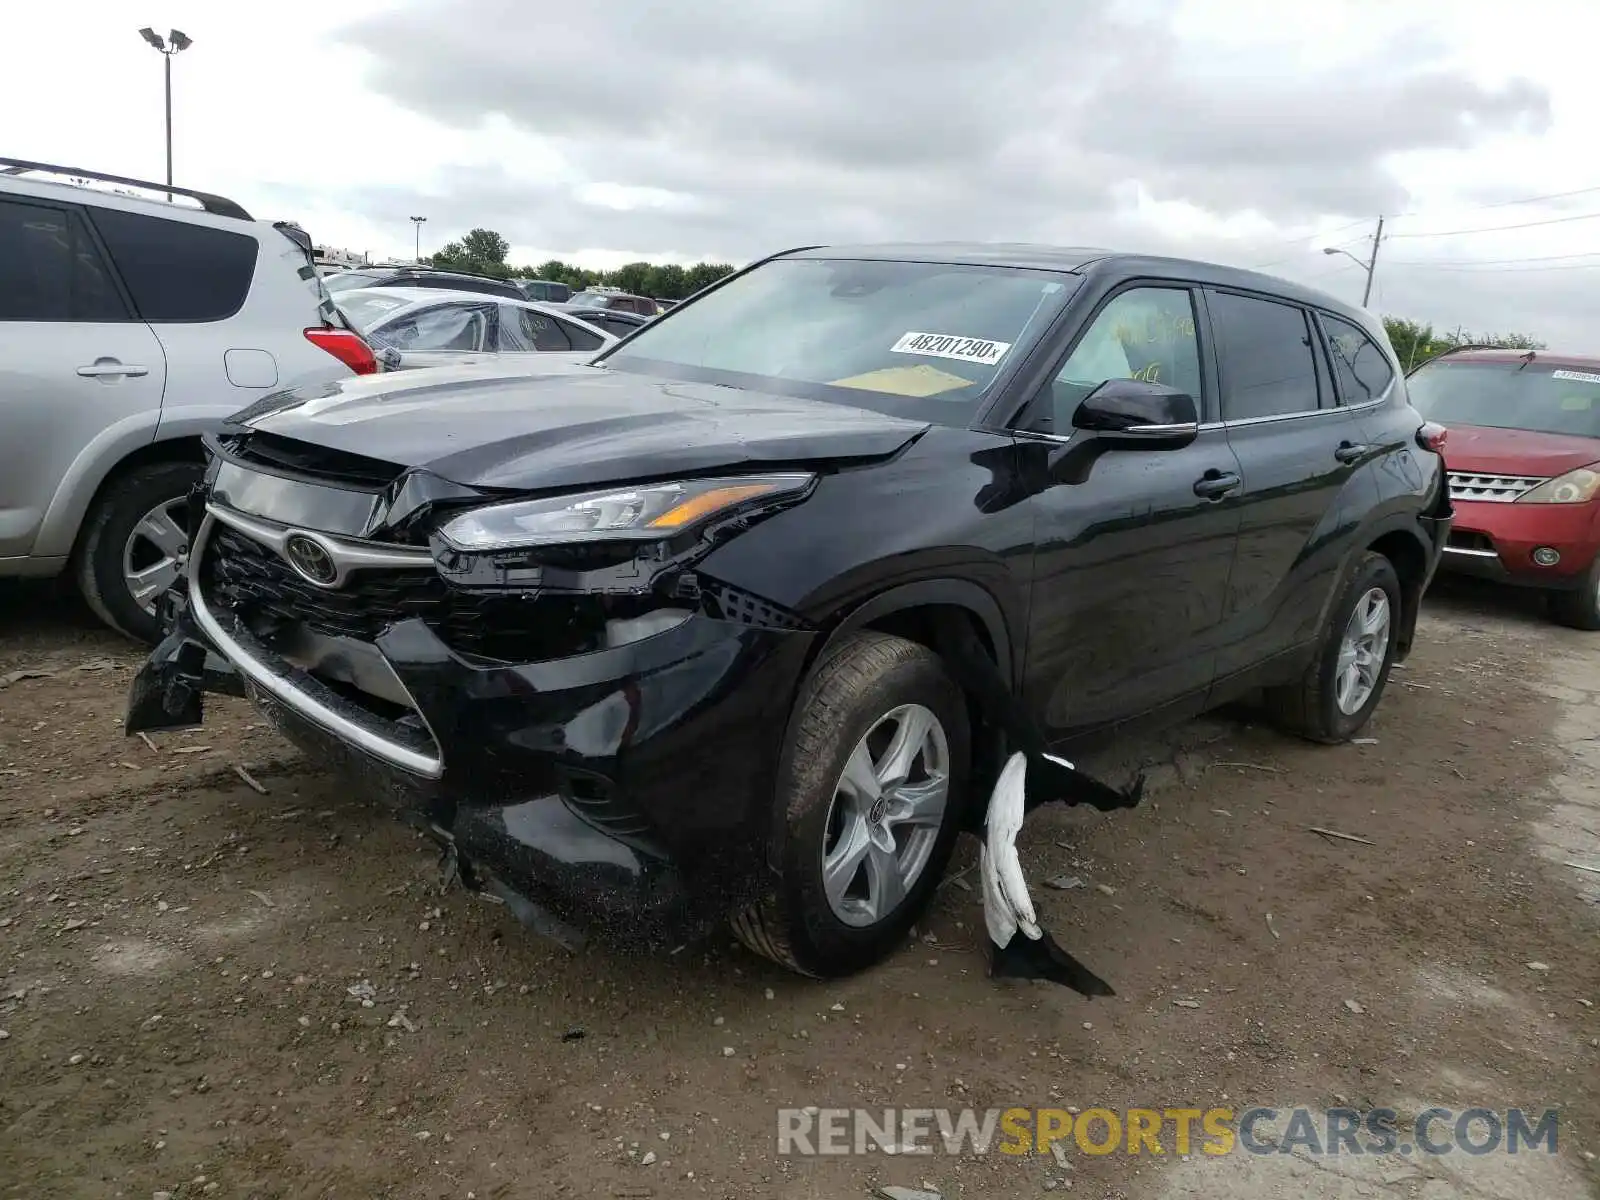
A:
x: 626, y: 792
x: 1497, y: 541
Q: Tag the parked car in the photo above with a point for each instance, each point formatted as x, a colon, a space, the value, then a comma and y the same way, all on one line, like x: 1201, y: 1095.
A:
x: 422, y: 327
x: 130, y: 326
x: 615, y: 301
x: 547, y: 290
x: 421, y: 277
x: 1524, y: 463
x: 618, y: 322
x: 653, y: 644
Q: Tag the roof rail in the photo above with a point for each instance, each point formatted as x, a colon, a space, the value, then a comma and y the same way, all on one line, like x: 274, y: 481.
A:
x: 219, y: 206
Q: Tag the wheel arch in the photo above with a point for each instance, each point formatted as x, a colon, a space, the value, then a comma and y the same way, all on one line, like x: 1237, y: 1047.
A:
x: 62, y: 529
x: 931, y: 612
x: 1407, y: 551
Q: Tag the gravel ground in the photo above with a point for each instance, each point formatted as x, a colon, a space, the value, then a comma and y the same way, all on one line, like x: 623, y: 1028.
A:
x: 205, y: 990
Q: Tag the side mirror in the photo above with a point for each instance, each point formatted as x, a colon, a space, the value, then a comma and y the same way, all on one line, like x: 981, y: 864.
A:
x: 391, y: 358
x: 1130, y: 414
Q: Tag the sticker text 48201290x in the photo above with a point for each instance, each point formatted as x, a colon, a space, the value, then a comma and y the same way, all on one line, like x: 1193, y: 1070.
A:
x: 946, y: 345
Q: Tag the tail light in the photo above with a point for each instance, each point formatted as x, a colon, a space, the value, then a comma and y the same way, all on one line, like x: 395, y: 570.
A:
x: 1432, y: 437
x: 347, y: 347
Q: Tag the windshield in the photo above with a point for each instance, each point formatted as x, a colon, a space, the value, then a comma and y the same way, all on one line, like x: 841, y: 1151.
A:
x: 924, y: 339
x: 365, y: 307
x: 1509, y: 395
x: 345, y: 280
x: 590, y: 299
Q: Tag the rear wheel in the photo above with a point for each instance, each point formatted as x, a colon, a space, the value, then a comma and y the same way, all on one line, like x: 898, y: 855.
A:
x: 871, y: 784
x: 1580, y: 608
x: 1344, y: 682
x: 133, y: 545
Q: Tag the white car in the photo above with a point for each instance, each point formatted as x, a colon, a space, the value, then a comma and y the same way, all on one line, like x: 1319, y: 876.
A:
x: 130, y: 325
x: 427, y: 327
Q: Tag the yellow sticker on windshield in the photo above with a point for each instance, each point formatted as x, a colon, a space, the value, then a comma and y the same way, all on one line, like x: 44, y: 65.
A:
x: 919, y: 381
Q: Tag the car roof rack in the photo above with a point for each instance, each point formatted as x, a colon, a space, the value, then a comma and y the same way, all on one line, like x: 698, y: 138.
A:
x: 218, y: 206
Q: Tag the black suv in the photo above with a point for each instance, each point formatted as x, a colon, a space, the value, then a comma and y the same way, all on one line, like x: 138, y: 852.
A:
x: 420, y: 276
x: 669, y: 638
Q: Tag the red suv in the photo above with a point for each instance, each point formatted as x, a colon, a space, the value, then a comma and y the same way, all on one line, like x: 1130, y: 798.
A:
x: 1524, y: 463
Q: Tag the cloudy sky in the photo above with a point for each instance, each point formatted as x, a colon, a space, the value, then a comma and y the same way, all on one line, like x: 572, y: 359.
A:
x: 1246, y: 132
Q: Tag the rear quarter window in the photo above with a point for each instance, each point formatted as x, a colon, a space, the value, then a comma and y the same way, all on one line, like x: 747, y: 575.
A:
x: 175, y: 271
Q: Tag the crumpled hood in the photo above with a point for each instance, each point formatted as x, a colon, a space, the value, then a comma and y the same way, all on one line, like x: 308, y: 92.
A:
x: 568, y: 426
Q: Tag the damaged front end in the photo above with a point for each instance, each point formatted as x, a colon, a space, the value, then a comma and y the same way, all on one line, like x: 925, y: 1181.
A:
x: 587, y: 732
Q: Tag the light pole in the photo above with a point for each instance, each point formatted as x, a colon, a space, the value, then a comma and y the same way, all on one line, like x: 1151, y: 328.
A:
x: 1369, y: 266
x: 417, y: 221
x: 176, y: 41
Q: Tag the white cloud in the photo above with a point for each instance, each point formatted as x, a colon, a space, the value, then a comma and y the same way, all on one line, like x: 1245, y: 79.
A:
x: 1251, y: 132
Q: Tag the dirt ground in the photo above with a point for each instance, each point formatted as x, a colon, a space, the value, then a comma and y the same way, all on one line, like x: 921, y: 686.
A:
x: 183, y: 963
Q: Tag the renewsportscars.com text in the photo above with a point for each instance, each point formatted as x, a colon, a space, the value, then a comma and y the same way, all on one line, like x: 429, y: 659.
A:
x: 1213, y: 1131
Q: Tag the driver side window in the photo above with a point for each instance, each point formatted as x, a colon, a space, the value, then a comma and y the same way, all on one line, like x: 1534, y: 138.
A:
x: 1143, y: 333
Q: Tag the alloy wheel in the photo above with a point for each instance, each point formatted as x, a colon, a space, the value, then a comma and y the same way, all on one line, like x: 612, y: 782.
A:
x: 154, y: 552
x: 888, y: 807
x: 1362, y: 651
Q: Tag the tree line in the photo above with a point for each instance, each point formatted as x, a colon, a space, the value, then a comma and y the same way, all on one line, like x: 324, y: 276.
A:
x: 483, y: 251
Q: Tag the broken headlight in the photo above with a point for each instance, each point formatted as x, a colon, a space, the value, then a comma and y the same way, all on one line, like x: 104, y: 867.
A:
x: 648, y: 512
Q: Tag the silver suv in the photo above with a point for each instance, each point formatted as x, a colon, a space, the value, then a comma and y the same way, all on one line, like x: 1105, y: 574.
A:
x: 129, y: 326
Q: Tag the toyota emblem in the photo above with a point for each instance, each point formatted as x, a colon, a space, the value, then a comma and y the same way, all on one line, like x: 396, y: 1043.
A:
x: 311, y: 560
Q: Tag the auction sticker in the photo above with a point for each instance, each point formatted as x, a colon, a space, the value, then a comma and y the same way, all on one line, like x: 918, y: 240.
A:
x: 1576, y: 376
x: 948, y: 345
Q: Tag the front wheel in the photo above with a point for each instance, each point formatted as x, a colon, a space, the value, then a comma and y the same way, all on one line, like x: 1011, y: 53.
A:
x: 133, y: 545
x: 1579, y: 608
x: 1344, y: 682
x: 871, y: 785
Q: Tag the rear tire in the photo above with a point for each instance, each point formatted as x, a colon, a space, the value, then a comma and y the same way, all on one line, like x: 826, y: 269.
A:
x: 1342, y: 686
x: 128, y: 543
x: 825, y: 928
x: 1579, y: 609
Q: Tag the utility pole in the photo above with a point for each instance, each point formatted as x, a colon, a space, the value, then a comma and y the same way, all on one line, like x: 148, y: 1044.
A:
x: 175, y: 41
x: 1372, y: 263
x: 417, y: 222
x: 1369, y: 266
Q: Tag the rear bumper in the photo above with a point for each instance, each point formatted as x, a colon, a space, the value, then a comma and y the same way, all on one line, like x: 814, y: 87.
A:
x: 1496, y: 541
x: 625, y: 792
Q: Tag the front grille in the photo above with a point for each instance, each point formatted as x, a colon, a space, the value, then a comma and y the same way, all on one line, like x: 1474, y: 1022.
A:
x: 250, y: 579
x: 241, y: 574
x: 1497, y: 488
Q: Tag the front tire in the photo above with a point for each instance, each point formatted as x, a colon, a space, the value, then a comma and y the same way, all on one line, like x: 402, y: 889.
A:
x: 1580, y: 608
x: 133, y: 543
x: 1342, y: 686
x: 870, y: 791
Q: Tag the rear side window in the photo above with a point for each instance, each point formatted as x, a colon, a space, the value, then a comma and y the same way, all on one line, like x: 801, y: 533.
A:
x: 176, y: 271
x: 50, y: 268
x: 1362, y: 368
x: 581, y: 339
x: 1268, y: 369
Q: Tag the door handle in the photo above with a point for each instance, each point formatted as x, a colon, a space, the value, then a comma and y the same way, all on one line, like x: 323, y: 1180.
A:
x: 111, y: 368
x: 1215, y: 484
x: 1349, y: 452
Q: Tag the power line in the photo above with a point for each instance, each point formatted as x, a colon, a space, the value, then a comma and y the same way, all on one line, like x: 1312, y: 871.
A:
x: 1499, y: 228
x: 1500, y: 270
x: 1486, y: 262
x: 1524, y: 200
x: 1347, y: 242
